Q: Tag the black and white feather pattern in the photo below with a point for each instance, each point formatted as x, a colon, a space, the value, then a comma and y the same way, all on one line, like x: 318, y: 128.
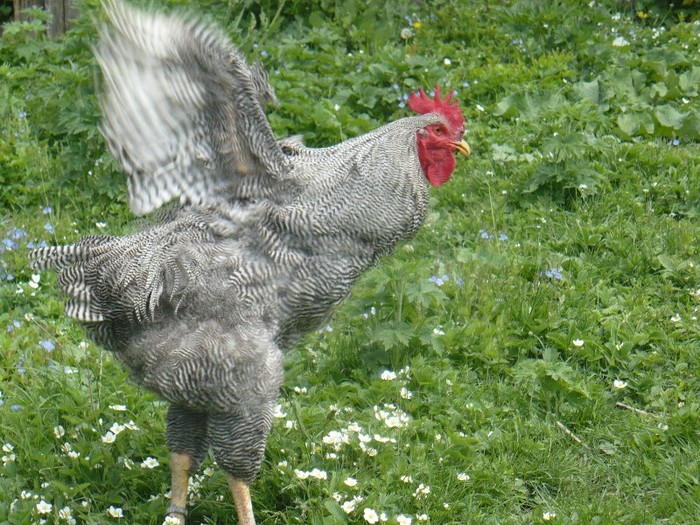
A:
x: 202, y: 302
x: 182, y: 110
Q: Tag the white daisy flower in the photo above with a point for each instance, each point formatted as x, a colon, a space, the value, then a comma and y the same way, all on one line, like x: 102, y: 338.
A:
x: 619, y: 384
x: 370, y: 516
x: 149, y: 463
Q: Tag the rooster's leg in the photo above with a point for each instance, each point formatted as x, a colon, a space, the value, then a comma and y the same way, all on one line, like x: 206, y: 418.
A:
x: 180, y: 466
x: 241, y: 498
x: 186, y: 437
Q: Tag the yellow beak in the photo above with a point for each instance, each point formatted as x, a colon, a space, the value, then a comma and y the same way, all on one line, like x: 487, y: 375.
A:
x: 461, y: 147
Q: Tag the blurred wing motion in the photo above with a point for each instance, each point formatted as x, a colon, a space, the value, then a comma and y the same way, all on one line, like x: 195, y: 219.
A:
x: 182, y: 110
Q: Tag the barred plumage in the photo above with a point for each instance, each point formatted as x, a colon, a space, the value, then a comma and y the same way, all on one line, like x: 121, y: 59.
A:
x: 268, y: 237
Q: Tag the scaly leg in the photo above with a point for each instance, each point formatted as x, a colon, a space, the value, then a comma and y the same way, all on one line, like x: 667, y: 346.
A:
x: 180, y: 467
x: 241, y: 498
x: 186, y: 437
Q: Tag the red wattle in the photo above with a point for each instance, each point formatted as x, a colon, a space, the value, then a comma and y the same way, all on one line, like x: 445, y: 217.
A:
x: 437, y: 164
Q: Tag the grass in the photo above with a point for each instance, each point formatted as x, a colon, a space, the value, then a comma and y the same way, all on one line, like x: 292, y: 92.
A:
x: 531, y: 356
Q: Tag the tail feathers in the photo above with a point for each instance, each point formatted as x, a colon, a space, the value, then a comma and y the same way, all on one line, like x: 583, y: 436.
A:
x: 121, y: 282
x: 62, y: 257
x: 70, y: 263
x: 82, y: 304
x: 72, y: 280
x: 55, y: 257
x: 80, y: 308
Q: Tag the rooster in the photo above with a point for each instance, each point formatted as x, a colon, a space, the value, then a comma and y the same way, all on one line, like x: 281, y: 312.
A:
x: 267, y: 238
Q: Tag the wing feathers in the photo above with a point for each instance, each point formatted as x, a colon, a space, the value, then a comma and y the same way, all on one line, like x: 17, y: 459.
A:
x: 183, y: 111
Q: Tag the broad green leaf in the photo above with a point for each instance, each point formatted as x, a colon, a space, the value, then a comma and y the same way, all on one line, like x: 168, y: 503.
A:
x: 668, y: 56
x: 588, y: 90
x: 659, y: 89
x: 508, y: 107
x: 633, y: 123
x: 669, y: 117
x: 691, y: 127
x: 689, y: 81
x: 657, y: 67
x: 393, y: 335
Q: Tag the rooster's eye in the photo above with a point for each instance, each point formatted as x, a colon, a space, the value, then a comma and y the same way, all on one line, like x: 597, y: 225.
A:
x: 438, y: 131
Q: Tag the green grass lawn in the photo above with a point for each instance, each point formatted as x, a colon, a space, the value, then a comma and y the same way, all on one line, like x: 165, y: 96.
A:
x: 532, y: 356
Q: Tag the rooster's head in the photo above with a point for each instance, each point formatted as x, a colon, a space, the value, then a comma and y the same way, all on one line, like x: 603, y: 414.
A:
x: 438, y: 142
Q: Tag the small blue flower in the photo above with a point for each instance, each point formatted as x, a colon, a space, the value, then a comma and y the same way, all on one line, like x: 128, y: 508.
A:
x: 47, y: 345
x: 402, y: 104
x: 459, y: 281
x: 49, y: 228
x: 1, y: 402
x: 47, y: 210
x: 16, y: 233
x: 10, y: 277
x: 9, y: 244
x: 675, y: 142
x: 555, y: 274
x: 264, y: 54
x: 503, y: 237
x: 20, y: 365
x: 395, y: 86
x: 439, y: 280
x: 15, y: 407
x: 22, y: 114
x: 485, y: 235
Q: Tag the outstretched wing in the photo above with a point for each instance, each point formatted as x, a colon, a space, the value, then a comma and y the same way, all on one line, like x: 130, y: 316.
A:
x: 182, y: 110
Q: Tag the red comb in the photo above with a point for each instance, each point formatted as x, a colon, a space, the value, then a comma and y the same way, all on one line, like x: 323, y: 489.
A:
x: 422, y: 103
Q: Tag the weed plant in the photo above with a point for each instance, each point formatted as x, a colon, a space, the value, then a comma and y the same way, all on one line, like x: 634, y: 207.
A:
x: 532, y: 356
